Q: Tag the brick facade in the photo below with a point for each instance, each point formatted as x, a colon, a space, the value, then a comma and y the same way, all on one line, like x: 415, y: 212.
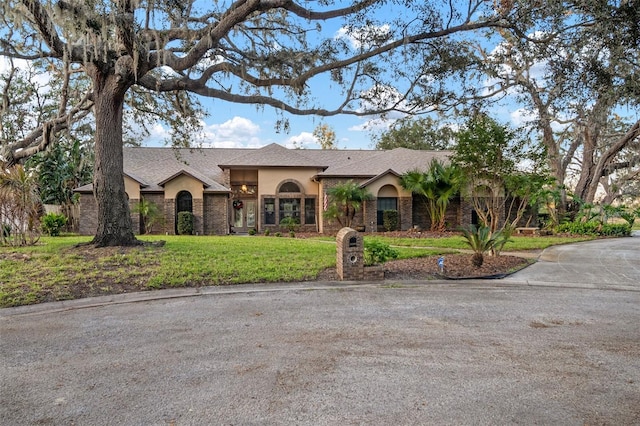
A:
x: 216, y: 215
x: 88, y: 223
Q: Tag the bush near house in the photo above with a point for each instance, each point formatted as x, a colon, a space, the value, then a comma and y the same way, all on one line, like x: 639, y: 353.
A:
x: 185, y: 223
x: 390, y: 220
x: 52, y: 223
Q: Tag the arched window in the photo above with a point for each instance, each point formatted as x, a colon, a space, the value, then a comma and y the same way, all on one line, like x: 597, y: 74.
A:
x: 184, y: 202
x: 387, y: 200
x: 289, y: 187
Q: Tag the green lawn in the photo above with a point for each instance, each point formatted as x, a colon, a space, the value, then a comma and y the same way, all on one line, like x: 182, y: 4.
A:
x: 517, y: 243
x: 56, y: 270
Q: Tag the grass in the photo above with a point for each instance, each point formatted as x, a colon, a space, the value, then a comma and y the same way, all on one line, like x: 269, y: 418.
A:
x: 458, y: 242
x: 56, y: 270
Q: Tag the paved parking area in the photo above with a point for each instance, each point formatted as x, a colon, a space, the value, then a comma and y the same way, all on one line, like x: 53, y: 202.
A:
x: 525, y: 350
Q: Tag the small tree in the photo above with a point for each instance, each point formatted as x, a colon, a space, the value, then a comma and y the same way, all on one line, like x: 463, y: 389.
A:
x: 346, y: 201
x: 390, y: 220
x: 325, y: 136
x: 149, y: 212
x: 492, y: 158
x: 20, y: 207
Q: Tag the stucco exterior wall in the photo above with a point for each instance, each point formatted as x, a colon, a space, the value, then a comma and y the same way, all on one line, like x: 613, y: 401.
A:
x: 132, y: 188
x: 270, y: 179
x: 385, y: 181
x: 183, y: 183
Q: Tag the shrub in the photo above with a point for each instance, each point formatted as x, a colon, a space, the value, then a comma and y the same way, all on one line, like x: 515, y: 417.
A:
x: 390, y: 220
x: 267, y: 232
x: 52, y: 223
x: 377, y: 252
x: 289, y: 223
x: 185, y: 223
x: 481, y: 240
x: 596, y: 229
x: 252, y: 232
x: 616, y: 229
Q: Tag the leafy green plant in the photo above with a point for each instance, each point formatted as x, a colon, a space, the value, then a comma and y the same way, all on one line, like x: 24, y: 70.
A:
x: 481, y: 240
x: 20, y: 206
x: 595, y: 229
x: 289, y: 223
x: 52, y: 223
x: 377, y: 252
x: 267, y: 232
x: 438, y: 185
x: 502, y: 238
x: 150, y: 213
x: 185, y: 223
x: 346, y: 200
x: 390, y: 220
x: 628, y: 217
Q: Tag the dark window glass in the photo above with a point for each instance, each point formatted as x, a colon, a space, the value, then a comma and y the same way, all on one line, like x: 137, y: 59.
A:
x: 184, y: 202
x: 269, y: 211
x: 289, y: 187
x: 386, y: 203
x: 310, y: 211
x: 289, y: 207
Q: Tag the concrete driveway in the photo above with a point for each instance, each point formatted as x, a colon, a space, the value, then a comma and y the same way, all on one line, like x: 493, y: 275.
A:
x: 479, y: 352
x: 611, y: 264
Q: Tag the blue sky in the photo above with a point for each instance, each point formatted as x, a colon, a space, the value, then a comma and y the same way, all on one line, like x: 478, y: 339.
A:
x: 239, y: 125
x: 236, y: 126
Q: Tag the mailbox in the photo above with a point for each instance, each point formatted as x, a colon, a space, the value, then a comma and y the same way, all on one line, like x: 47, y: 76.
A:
x: 350, y: 255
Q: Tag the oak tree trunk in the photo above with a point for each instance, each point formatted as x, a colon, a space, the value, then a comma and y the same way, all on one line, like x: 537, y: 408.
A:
x: 114, y: 221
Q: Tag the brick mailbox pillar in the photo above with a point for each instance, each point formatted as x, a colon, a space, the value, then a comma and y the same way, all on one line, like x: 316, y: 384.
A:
x: 350, y: 252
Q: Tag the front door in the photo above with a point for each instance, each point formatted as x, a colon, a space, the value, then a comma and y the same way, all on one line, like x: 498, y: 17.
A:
x: 244, y: 215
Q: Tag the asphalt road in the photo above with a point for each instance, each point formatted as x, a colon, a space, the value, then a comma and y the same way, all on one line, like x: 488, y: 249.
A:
x: 557, y: 343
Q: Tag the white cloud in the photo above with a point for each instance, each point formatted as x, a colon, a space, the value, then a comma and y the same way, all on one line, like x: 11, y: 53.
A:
x: 302, y: 140
x: 239, y: 132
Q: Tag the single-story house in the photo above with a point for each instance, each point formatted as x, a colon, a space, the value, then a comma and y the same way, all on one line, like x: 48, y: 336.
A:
x: 231, y: 190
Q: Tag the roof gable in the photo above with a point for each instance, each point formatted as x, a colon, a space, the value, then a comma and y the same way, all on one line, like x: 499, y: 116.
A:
x: 378, y: 177
x: 183, y: 173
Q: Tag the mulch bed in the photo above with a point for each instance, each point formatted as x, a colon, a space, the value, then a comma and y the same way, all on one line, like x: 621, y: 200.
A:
x: 456, y: 266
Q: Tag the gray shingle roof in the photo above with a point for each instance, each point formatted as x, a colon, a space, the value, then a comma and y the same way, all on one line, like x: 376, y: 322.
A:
x: 153, y: 167
x: 273, y: 155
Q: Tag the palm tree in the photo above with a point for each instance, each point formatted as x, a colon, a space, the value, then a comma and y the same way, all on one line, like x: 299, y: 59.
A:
x: 346, y: 200
x: 439, y: 184
x: 150, y: 214
x: 20, y: 206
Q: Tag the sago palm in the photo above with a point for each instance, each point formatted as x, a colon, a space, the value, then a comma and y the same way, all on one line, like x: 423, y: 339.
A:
x: 481, y: 240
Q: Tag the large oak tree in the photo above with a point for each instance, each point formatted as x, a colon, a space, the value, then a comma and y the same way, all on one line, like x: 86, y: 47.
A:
x: 576, y: 69
x: 261, y: 52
